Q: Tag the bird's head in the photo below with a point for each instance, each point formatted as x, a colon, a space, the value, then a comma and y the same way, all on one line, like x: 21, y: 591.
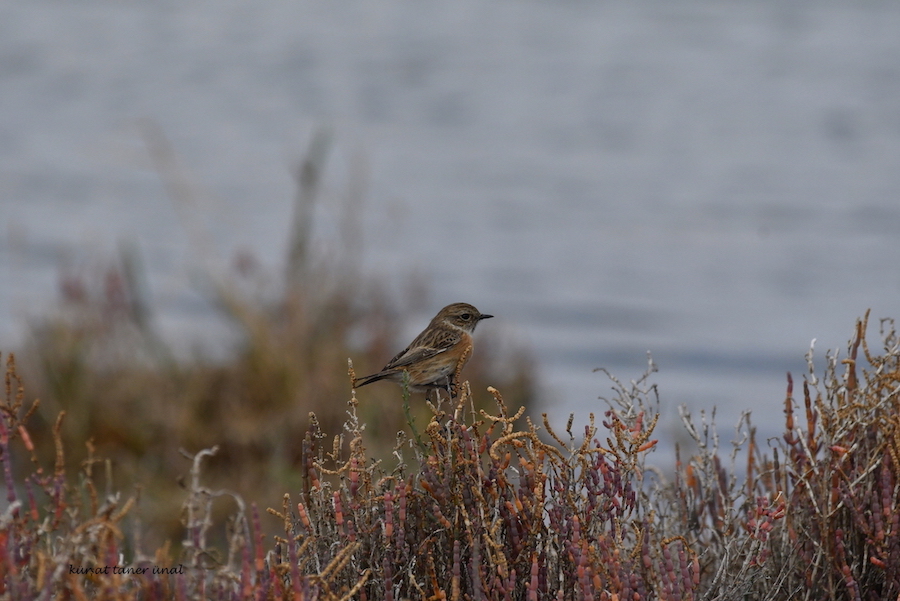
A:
x: 461, y: 315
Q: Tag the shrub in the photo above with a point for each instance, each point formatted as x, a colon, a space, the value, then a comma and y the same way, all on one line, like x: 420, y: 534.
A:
x: 489, y: 505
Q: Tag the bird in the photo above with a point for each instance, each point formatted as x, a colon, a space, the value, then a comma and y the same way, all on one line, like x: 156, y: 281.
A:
x: 435, y: 356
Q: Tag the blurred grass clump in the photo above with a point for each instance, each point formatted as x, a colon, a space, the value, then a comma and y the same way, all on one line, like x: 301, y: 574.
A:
x: 100, y: 359
x: 494, y: 506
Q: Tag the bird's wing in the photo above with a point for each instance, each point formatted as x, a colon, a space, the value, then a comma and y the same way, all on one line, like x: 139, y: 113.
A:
x: 420, y: 349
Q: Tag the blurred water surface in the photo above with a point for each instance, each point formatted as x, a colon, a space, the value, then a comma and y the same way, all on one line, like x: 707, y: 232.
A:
x: 715, y: 181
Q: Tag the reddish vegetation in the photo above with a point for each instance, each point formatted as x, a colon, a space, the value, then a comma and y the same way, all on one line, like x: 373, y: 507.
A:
x: 488, y: 505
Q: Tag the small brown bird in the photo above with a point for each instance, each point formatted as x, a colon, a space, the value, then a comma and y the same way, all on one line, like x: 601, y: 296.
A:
x: 434, y: 357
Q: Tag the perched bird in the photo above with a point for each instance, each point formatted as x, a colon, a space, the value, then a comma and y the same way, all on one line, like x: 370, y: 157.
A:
x: 437, y: 354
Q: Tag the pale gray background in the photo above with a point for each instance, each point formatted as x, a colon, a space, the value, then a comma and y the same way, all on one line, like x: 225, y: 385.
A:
x: 716, y: 181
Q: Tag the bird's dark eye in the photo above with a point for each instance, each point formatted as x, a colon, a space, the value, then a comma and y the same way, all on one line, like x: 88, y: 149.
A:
x: 466, y: 316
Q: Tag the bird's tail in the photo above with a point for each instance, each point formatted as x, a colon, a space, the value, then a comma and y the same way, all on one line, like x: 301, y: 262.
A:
x: 358, y: 382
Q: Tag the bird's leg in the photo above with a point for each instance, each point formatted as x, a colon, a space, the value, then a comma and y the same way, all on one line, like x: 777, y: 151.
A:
x: 452, y: 388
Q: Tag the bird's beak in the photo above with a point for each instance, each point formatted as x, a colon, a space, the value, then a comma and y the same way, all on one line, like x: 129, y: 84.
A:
x: 484, y: 317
